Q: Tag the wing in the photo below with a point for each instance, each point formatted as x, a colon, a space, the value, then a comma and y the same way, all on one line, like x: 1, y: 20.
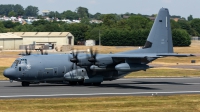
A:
x: 136, y: 58
x: 144, y: 58
x: 150, y: 55
x: 174, y: 54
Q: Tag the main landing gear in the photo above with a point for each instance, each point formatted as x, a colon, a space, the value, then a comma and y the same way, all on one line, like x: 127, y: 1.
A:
x: 25, y: 84
x: 97, y: 84
x: 73, y: 83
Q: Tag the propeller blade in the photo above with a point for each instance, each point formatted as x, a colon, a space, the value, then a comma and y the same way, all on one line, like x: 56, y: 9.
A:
x: 72, y: 49
x: 26, y: 50
x: 46, y: 53
x: 41, y: 50
x: 74, y: 58
x: 91, y: 51
x: 93, y: 55
x: 30, y: 52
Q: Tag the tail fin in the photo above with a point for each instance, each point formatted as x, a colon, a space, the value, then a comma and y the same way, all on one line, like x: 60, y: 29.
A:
x: 160, y: 36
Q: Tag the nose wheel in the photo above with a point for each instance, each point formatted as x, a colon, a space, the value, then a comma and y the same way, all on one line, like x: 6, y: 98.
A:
x: 25, y: 84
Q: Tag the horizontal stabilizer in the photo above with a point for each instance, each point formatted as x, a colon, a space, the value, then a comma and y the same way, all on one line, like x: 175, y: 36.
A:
x: 175, y: 55
x: 136, y: 56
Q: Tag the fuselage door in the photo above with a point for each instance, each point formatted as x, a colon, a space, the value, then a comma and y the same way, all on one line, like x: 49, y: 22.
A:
x: 23, y: 67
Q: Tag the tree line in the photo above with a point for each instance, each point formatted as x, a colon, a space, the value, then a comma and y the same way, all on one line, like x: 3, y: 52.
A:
x: 114, y: 31
x: 18, y: 10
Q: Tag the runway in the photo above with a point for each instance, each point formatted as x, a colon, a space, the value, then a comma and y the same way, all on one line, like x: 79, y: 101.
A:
x: 136, y: 86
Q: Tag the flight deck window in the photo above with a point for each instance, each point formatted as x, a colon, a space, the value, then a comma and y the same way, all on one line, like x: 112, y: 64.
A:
x: 24, y: 61
x: 16, y: 62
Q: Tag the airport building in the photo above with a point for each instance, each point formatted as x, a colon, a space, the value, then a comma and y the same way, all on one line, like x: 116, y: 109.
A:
x: 12, y: 40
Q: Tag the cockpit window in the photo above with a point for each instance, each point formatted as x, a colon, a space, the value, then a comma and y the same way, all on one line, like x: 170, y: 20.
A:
x: 23, y: 61
x: 16, y: 62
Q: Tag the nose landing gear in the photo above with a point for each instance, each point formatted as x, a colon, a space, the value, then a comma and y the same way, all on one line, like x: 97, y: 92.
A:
x: 11, y: 81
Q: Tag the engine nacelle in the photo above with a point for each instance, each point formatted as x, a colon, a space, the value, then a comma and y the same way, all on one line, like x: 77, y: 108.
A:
x: 76, y: 75
x: 96, y: 68
x: 126, y: 67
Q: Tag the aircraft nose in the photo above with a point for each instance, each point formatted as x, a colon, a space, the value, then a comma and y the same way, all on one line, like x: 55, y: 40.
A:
x: 8, y: 73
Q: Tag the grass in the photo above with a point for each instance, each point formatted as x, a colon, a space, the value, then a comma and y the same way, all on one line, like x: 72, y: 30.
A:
x: 1, y: 73
x: 193, y: 48
x: 165, y: 72
x: 184, y: 60
x: 176, y: 103
x: 6, y: 62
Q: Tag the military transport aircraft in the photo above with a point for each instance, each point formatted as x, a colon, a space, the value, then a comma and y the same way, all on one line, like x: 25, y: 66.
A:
x: 94, y: 68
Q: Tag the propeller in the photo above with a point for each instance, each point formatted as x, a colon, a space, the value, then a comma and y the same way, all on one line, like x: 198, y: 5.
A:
x: 45, y: 53
x: 28, y: 52
x: 74, y: 59
x: 41, y: 50
x: 93, y: 54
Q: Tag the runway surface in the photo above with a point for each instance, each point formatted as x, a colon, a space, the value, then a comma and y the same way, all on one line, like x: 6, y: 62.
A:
x: 136, y: 86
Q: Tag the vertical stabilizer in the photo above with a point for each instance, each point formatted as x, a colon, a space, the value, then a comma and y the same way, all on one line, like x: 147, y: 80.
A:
x: 160, y: 36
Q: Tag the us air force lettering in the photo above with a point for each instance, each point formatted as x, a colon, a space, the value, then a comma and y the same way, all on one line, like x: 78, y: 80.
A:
x: 93, y: 68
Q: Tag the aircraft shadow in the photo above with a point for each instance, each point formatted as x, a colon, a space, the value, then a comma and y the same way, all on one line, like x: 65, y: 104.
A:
x: 167, y: 83
x: 38, y: 85
x: 143, y: 83
x: 123, y: 86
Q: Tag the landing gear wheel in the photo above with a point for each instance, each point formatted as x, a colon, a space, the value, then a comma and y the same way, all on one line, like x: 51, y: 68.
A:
x: 25, y: 84
x: 72, y: 83
x: 80, y: 82
x: 97, y: 84
x: 87, y: 84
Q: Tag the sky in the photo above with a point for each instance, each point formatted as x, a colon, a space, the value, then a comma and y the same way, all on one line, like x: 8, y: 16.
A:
x: 182, y: 8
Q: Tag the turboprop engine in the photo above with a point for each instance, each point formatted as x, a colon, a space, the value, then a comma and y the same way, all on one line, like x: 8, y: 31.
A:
x: 76, y: 75
x: 126, y: 67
